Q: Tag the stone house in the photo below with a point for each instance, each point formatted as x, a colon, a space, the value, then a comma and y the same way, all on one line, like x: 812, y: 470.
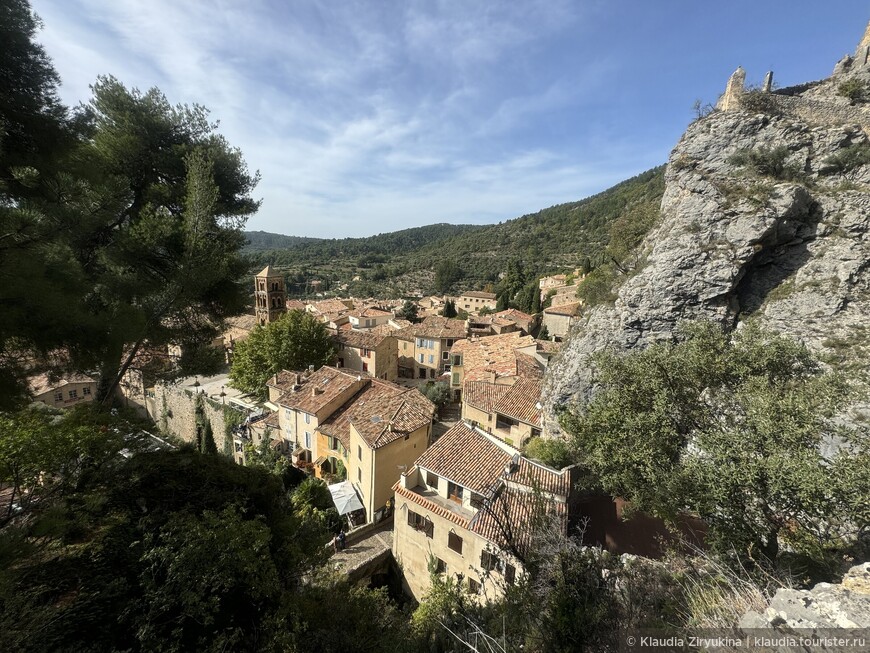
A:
x: 63, y: 392
x: 473, y: 301
x: 468, y: 508
x: 368, y: 318
x: 558, y: 319
x: 510, y: 412
x: 331, y: 420
x: 371, y: 352
x: 424, y: 348
x: 492, y: 358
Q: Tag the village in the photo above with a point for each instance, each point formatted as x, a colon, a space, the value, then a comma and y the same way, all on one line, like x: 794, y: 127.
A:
x: 445, y: 484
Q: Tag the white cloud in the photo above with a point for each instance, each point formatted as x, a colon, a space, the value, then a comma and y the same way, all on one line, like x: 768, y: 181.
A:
x: 362, y: 116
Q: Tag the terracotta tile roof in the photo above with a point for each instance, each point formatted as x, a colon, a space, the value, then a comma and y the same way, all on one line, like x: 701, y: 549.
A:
x: 381, y: 413
x: 491, y: 354
x: 479, y: 294
x: 565, y: 309
x: 42, y: 383
x: 268, y: 271
x: 548, y: 346
x: 483, y: 395
x: 512, y: 314
x: 285, y: 380
x: 431, y: 506
x: 437, y: 327
x: 239, y: 327
x: 517, y: 492
x: 467, y: 458
x: 360, y: 339
x: 330, y: 306
x: 294, y: 305
x: 318, y: 390
x: 514, y: 515
x: 371, y: 311
x: 272, y: 421
x: 528, y: 367
x: 520, y: 402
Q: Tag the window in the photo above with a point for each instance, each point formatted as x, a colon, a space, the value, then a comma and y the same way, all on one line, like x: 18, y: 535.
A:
x: 488, y: 561
x: 58, y: 396
x: 366, y: 353
x: 454, y: 492
x: 359, y: 474
x: 359, y: 451
x: 445, y: 355
x: 455, y: 380
x: 420, y: 523
x: 473, y: 586
x: 307, y: 418
x: 73, y: 394
x: 307, y: 440
x: 450, y: 342
x: 86, y: 391
x: 432, y: 480
x: 421, y: 358
x: 510, y: 573
x: 365, y: 367
x: 454, y: 543
x: 288, y: 413
x: 440, y: 566
x: 431, y: 359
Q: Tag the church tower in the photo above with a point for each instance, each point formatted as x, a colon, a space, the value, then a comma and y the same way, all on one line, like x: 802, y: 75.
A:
x: 270, y: 297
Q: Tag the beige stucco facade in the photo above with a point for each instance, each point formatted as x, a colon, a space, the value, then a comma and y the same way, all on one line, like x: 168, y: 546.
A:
x: 414, y: 548
x: 380, y: 362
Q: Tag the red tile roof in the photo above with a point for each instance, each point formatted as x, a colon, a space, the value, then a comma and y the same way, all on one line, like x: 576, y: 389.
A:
x: 317, y: 390
x: 431, y: 506
x: 521, y: 402
x: 467, y: 458
x: 483, y: 395
x: 381, y: 413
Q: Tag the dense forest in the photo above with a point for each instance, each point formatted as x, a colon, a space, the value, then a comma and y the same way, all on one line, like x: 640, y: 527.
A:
x: 558, y: 238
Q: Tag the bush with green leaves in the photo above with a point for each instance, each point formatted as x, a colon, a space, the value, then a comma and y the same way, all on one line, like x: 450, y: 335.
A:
x: 854, y: 90
x: 768, y: 162
x: 733, y: 428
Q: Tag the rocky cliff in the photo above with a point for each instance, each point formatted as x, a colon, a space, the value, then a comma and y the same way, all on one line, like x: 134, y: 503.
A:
x: 829, y: 617
x: 781, y: 232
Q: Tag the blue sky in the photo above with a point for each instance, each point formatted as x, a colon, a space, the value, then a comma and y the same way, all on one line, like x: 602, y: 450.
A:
x: 371, y: 116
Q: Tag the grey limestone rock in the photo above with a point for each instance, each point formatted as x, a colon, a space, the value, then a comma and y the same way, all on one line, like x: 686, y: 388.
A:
x: 730, y: 245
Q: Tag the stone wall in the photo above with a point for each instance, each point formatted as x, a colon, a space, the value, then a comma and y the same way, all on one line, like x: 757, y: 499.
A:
x: 174, y: 411
x: 820, y: 112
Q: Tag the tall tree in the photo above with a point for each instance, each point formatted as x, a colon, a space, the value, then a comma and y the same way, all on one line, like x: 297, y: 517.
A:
x: 167, y: 258
x: 733, y: 428
x: 293, y: 342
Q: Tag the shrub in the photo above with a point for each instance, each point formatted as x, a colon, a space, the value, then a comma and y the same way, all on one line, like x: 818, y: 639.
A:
x: 854, y: 90
x: 757, y: 101
x: 767, y: 162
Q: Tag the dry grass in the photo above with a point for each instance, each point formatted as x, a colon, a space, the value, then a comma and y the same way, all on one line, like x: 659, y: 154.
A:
x: 717, y: 596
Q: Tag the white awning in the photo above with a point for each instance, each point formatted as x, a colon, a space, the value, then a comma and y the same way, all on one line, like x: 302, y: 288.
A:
x: 344, y: 497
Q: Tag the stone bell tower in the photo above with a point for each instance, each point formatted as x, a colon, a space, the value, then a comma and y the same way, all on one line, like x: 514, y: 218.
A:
x: 270, y: 296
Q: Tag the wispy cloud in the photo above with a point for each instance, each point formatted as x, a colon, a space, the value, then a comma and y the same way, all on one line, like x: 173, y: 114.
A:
x: 365, y: 116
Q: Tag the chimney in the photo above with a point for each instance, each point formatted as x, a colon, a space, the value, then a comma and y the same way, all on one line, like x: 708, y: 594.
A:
x: 311, y: 369
x: 316, y: 391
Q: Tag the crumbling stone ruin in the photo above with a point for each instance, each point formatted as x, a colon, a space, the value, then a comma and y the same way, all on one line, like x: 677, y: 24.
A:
x: 815, y: 102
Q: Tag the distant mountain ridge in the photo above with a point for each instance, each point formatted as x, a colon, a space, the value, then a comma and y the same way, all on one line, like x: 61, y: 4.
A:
x: 402, y: 263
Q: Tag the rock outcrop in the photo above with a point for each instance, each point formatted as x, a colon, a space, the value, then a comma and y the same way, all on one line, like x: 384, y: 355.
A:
x: 790, y: 248
x: 810, y: 619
